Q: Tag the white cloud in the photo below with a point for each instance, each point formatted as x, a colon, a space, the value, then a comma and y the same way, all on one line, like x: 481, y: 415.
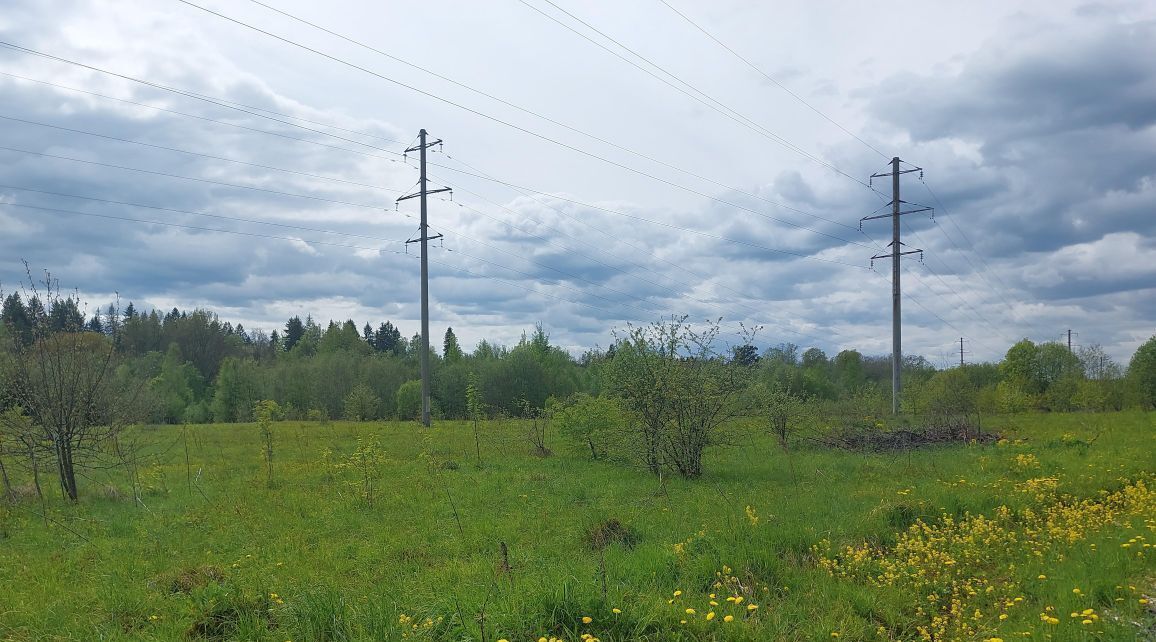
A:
x: 1053, y: 216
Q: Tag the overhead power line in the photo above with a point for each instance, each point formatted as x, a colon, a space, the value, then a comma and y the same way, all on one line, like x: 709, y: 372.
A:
x: 536, y: 114
x: 983, y: 270
x: 694, y: 93
x: 199, y: 154
x: 188, y: 178
x: 363, y: 153
x: 175, y: 210
x: 809, y: 257
x: 306, y: 241
x: 539, y: 197
x: 214, y: 120
x: 770, y: 79
x: 501, y: 121
x: 389, y: 151
x: 252, y: 111
x: 193, y: 227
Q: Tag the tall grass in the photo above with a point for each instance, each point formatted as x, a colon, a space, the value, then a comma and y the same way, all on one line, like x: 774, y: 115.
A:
x: 311, y: 559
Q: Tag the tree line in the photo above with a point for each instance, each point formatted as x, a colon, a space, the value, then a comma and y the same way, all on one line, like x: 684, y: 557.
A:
x: 663, y: 393
x: 200, y: 369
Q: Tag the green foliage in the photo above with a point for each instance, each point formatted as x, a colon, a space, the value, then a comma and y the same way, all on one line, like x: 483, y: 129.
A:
x: 1010, y: 398
x: 1060, y: 394
x: 591, y: 422
x: 1142, y: 373
x: 475, y: 411
x: 361, y: 404
x: 1021, y: 367
x: 343, y: 338
x: 681, y: 392
x: 178, y: 386
x: 365, y: 463
x: 309, y: 561
x: 949, y: 392
x: 1096, y: 396
x: 847, y: 370
x: 1034, y: 368
x: 409, y: 400
x: 786, y: 413
x: 266, y: 412
x: 236, y: 391
x: 451, y: 351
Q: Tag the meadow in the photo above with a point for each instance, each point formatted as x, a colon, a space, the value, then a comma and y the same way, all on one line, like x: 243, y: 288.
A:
x: 385, y: 531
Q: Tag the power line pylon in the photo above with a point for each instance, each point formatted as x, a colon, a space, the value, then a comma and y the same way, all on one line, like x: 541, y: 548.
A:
x: 895, y: 255
x: 961, y: 351
x: 424, y: 238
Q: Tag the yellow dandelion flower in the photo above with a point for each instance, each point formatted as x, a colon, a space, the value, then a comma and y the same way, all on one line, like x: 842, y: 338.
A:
x: 690, y: 611
x: 586, y: 619
x: 710, y: 616
x: 616, y: 611
x: 729, y: 618
x: 751, y: 607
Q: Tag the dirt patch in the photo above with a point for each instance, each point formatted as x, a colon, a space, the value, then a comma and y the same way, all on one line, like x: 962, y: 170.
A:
x: 193, y: 578
x: 609, y: 532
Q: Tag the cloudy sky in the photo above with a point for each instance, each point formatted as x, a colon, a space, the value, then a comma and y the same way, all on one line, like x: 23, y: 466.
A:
x: 610, y: 163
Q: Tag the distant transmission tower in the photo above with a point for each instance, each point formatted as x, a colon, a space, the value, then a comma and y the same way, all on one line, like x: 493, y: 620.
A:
x: 423, y: 238
x: 896, y: 253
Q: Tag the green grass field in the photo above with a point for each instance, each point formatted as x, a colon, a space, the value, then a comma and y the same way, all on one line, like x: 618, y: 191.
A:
x: 808, y: 545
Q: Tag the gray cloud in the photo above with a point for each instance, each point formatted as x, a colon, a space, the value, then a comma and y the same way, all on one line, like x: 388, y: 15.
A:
x: 1038, y: 145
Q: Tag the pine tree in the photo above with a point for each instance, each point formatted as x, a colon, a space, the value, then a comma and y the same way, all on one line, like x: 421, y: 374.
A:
x: 294, y: 330
x: 16, y: 319
x: 387, y: 339
x: 451, y: 351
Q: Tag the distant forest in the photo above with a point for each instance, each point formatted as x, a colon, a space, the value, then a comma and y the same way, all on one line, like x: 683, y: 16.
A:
x: 199, y: 369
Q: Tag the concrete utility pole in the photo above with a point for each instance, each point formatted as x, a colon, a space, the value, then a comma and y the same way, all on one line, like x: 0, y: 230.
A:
x: 1069, y: 340
x: 424, y: 238
x: 895, y: 255
x: 961, y: 352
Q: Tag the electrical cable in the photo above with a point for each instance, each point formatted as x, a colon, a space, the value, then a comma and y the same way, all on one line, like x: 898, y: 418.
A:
x: 770, y: 79
x: 505, y: 122
x: 199, y: 154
